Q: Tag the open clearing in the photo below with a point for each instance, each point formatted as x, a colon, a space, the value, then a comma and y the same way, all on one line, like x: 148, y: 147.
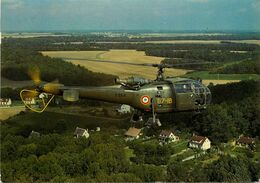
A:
x: 120, y: 70
x: 215, y: 81
x: 10, y: 111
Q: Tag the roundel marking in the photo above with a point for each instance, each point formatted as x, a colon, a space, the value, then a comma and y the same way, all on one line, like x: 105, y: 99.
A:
x: 145, y: 99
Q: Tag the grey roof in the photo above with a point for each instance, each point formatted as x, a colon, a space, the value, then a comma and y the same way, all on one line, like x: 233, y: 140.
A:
x: 79, y: 131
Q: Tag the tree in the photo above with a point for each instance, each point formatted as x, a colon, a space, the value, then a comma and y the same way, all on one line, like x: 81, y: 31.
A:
x: 47, y: 168
x: 229, y: 169
x: 26, y: 150
x: 217, y: 124
x: 148, y: 173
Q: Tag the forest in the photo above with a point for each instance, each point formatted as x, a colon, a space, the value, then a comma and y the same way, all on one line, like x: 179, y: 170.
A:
x: 245, y: 67
x: 56, y: 156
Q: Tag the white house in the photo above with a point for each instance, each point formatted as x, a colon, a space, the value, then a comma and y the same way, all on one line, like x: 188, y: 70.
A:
x: 30, y: 101
x: 167, y: 136
x: 133, y: 133
x: 199, y: 142
x: 81, y: 132
x: 5, y: 102
x: 124, y: 109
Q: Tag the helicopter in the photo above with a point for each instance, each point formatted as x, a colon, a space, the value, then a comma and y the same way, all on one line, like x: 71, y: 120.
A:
x: 162, y: 95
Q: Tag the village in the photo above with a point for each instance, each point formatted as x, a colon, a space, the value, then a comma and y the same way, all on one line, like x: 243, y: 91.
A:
x: 186, y: 146
x: 185, y: 149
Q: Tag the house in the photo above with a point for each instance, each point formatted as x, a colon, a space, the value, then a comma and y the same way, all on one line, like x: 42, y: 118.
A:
x: 133, y: 133
x: 5, y: 102
x: 29, y: 101
x: 199, y: 142
x: 167, y: 136
x: 34, y: 134
x: 124, y: 109
x: 81, y: 132
x: 246, y: 141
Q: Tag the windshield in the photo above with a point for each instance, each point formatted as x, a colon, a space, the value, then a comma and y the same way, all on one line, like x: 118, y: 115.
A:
x: 183, y: 88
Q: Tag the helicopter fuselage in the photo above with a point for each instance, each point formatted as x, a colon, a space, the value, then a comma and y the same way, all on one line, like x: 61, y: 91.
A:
x: 169, y: 95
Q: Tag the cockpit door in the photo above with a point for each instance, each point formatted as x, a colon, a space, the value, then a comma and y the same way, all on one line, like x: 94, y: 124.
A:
x: 184, y: 97
x: 164, y: 98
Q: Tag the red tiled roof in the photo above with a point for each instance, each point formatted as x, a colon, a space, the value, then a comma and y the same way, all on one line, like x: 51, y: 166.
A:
x: 245, y: 140
x: 198, y: 139
x: 166, y: 133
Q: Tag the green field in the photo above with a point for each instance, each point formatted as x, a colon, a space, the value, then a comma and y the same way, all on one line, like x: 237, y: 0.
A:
x: 206, y: 75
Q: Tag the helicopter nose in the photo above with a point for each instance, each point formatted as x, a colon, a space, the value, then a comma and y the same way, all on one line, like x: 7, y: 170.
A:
x: 203, y: 95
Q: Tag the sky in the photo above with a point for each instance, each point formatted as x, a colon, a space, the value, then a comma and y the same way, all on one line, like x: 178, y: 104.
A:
x: 156, y: 15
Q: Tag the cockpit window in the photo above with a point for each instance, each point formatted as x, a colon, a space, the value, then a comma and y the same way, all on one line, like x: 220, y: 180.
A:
x: 183, y: 88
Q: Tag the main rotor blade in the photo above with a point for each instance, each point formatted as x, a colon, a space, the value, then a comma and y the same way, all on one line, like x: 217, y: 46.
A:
x: 162, y: 64
x: 34, y: 74
x: 188, y: 63
x: 109, y: 61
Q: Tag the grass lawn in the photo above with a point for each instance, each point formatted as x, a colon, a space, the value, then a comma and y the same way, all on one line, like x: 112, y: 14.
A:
x: 188, y: 153
x: 256, y: 156
x: 129, y: 153
x: 210, y: 160
x: 152, y: 140
x: 17, y: 103
x: 181, y: 145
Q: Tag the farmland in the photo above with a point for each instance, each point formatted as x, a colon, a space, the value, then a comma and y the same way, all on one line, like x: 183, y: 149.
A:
x: 134, y: 56
x: 120, y: 70
x: 10, y: 111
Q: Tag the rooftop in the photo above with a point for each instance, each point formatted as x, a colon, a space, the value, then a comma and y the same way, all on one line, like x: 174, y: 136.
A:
x: 133, y: 132
x: 245, y: 140
x: 79, y: 131
x: 198, y: 139
x: 166, y: 133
